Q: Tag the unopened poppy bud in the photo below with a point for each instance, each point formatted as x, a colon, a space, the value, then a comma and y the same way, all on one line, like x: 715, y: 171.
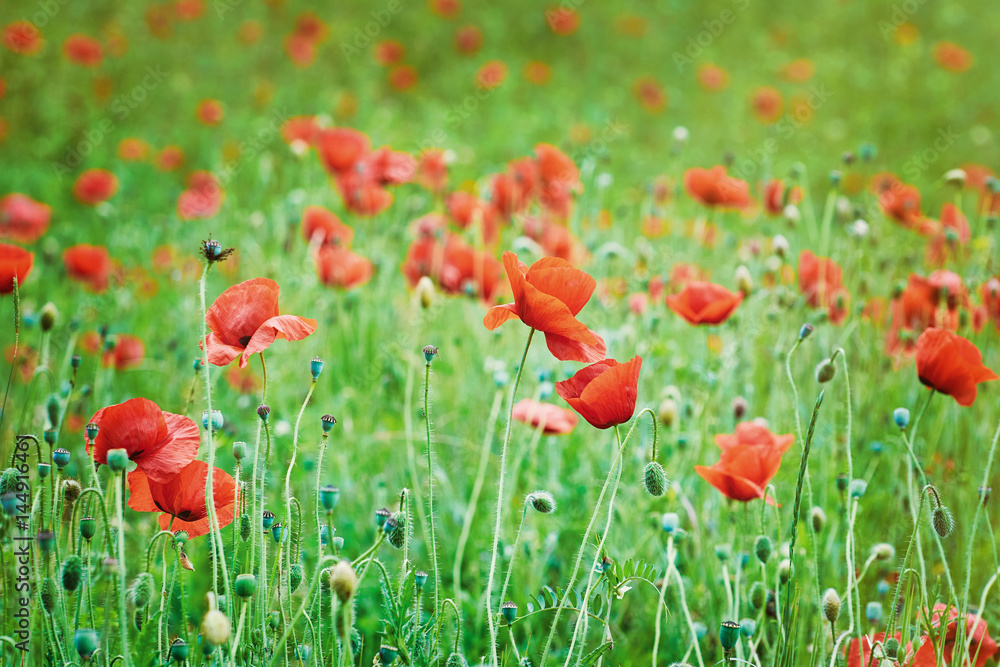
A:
x: 883, y: 551
x: 670, y: 522
x: 141, y: 591
x: 267, y: 519
x: 509, y: 611
x: 429, y: 353
x: 956, y: 177
x: 398, y: 534
x: 117, y: 459
x: 343, y: 580
x: 315, y: 367
x: 830, y: 603
x: 329, y: 495
x: 758, y: 595
x: 901, y: 416
x: 72, y: 571
x: 85, y: 643
x: 48, y: 317
x: 729, y: 634
x: 48, y: 595
x: 792, y: 214
x: 216, y: 419
x: 263, y: 412
x: 668, y: 412
x: 44, y: 469
x: 46, y: 540
x: 818, y: 518
x: 723, y: 552
x: 215, y: 627
x: 857, y: 488
x: 762, y: 547
x: 60, y: 457
x: 387, y: 654
x: 785, y: 570
x: 425, y: 292
x: 71, y: 490
x: 274, y: 620
x: 825, y: 371
x: 780, y: 245
x: 419, y: 579
x: 739, y: 407
x: 294, y: 577
x: 239, y: 450
x: 744, y: 281
x: 381, y: 515
x: 180, y: 537
x: 873, y: 612
x: 805, y: 331
x: 943, y: 521
x: 179, y: 650
x: 88, y: 527
x: 53, y: 410
x: 456, y: 660
x: 542, y: 501
x: 91, y: 430
x: 891, y: 647
x: 655, y: 480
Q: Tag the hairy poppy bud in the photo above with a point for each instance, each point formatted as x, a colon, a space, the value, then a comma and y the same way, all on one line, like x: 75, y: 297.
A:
x: 805, y: 331
x: 739, y: 407
x: 71, y: 490
x: 780, y: 245
x: 48, y: 317
x: 762, y: 547
x: 818, y: 518
x: 343, y: 580
x: 215, y: 627
x: 294, y: 577
x: 142, y: 590
x: 117, y: 459
x: 245, y: 586
x: 509, y: 611
x: 901, y: 416
x: 668, y: 412
x: 655, y: 479
x: 830, y: 603
x: 943, y: 521
x: 744, y: 281
x: 88, y: 527
x: 456, y: 660
x: 263, y: 412
x: 398, y: 533
x: 542, y: 501
x: 785, y: 570
x: 315, y: 367
x: 274, y: 620
x: 891, y: 647
x: 883, y: 551
x: 429, y: 353
x: 758, y: 595
x: 179, y: 650
x: 52, y: 408
x: 825, y: 371
x: 85, y: 642
x: 72, y: 571
x: 425, y: 292
x: 792, y: 214
x: 48, y: 595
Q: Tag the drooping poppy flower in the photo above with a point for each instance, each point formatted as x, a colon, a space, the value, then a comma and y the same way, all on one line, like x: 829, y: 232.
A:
x: 749, y: 461
x: 209, y: 112
x: 128, y: 352
x: 17, y: 262
x: 952, y: 57
x: 22, y: 37
x: 551, y: 418
x: 244, y: 320
x: 83, y: 50
x: 767, y: 104
x: 713, y: 187
x: 95, y: 186
x: 160, y: 443
x: 340, y: 148
x: 982, y: 647
x: 603, y: 393
x: 950, y: 364
x: 340, y: 267
x: 547, y: 297
x: 491, y: 74
x: 132, y: 149
x: 88, y: 264
x: 181, y: 499
x: 468, y: 40
x: 704, y: 303
x: 322, y: 226
x: 23, y: 219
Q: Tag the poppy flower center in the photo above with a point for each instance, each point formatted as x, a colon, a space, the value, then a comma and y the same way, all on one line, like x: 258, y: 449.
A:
x: 245, y: 340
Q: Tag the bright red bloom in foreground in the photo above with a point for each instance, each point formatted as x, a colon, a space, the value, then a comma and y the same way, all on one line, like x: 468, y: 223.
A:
x: 547, y: 297
x: 129, y: 351
x: 982, y: 647
x: 244, y: 320
x: 603, y: 393
x: 95, y: 186
x: 88, y: 264
x: 704, y: 303
x: 83, y: 50
x: 160, y: 443
x: 951, y: 365
x: 23, y: 219
x: 553, y: 419
x: 15, y: 261
x: 182, y: 498
x: 712, y: 187
x: 340, y: 267
x: 750, y: 459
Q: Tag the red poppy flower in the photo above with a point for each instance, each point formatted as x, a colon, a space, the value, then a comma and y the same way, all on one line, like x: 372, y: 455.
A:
x: 447, y: 9
x: 389, y: 52
x: 169, y: 158
x: 389, y: 167
x: 22, y: 37
x: 95, y: 186
x: 953, y: 230
x: 26, y: 361
x: 767, y: 104
x: 83, y: 50
x: 537, y: 72
x: 712, y: 77
x: 340, y: 148
x: 88, y: 264
x: 181, y: 499
x: 300, y: 132
x: 468, y: 40
x: 244, y: 320
x: 981, y: 648
x: 491, y: 74
x: 17, y: 262
x: 951, y: 365
x: 547, y: 297
x: 749, y: 461
x: 712, y: 187
x: 323, y: 226
x: 160, y: 443
x: 861, y: 657
x: 455, y: 265
x: 23, y: 219
x: 704, y: 303
x: 819, y: 278
x: 243, y: 380
x: 340, y: 267
x: 432, y: 170
x: 650, y: 94
x: 129, y: 351
x: 774, y: 196
x: 403, y: 77
x: 209, y: 112
x: 603, y: 393
x: 131, y: 149
x: 203, y: 197
x: 901, y: 202
x: 553, y: 419
x: 362, y: 194
x: 563, y: 20
x: 557, y: 171
x: 301, y: 50
x: 952, y: 57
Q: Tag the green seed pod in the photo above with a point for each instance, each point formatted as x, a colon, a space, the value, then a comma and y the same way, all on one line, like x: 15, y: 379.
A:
x: 762, y: 547
x: 655, y: 479
x: 294, y: 577
x: 52, y: 408
x: 723, y: 552
x: 758, y: 595
x: 179, y: 650
x: 246, y: 530
x: 142, y: 589
x: 943, y: 521
x: 274, y: 620
x: 117, y: 459
x: 831, y: 605
x: 85, y: 642
x: 542, y: 501
x: 509, y: 611
x: 246, y: 585
x: 72, y: 572
x: 48, y: 595
x: 729, y: 634
x: 456, y: 660
x: 88, y: 527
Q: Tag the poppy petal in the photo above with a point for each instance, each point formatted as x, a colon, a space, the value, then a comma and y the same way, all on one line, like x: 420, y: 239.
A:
x: 289, y: 327
x: 568, y: 349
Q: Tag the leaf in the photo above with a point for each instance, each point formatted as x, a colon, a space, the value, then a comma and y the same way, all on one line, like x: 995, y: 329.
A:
x: 594, y: 655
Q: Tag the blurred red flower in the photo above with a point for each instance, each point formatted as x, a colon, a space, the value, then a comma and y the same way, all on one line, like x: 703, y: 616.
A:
x: 83, y: 50
x: 322, y: 226
x: 95, y: 186
x: 209, y: 112
x: 128, y: 352
x: 713, y: 187
x: 491, y: 74
x: 861, y: 657
x: 603, y: 393
x: 447, y: 9
x: 160, y: 443
x: 340, y: 148
x: 767, y: 104
x: 454, y: 265
x: 244, y: 320
x: 553, y: 419
x: 22, y: 37
x: 88, y: 264
x: 181, y: 499
x: 389, y: 52
x: 468, y: 40
x: 749, y: 461
x: 17, y: 262
x: 952, y: 57
x: 23, y: 219
x: 403, y: 77
x: 950, y: 364
x: 169, y: 158
x: 563, y: 20
x: 203, y: 197
x: 132, y: 149
x: 704, y: 303
x: 340, y: 267
x: 982, y: 647
x: 432, y: 170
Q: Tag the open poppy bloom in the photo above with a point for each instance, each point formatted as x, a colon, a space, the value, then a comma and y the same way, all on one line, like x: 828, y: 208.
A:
x: 17, y: 262
x: 432, y: 169
x: 182, y: 498
x: 83, y: 50
x: 88, y: 264
x: 713, y: 187
x: 901, y: 202
x: 160, y: 443
x: 950, y: 364
x: 22, y: 219
x: 244, y: 320
x: 859, y: 652
x: 340, y: 148
x: 750, y: 459
x: 821, y: 281
x: 547, y: 297
x: 454, y: 265
x: 982, y: 646
x: 95, y: 186
x: 340, y: 267
x: 129, y: 351
x: 551, y: 418
x: 704, y: 303
x: 325, y: 227
x: 603, y: 393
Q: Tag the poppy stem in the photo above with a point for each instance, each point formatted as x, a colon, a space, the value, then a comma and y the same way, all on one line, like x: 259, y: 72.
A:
x: 430, y: 501
x: 891, y: 625
x: 122, y: 623
x: 291, y: 463
x: 517, y: 541
x: 499, y: 511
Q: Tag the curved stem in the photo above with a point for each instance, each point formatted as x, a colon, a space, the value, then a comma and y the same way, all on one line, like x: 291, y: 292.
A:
x: 430, y: 498
x: 517, y: 541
